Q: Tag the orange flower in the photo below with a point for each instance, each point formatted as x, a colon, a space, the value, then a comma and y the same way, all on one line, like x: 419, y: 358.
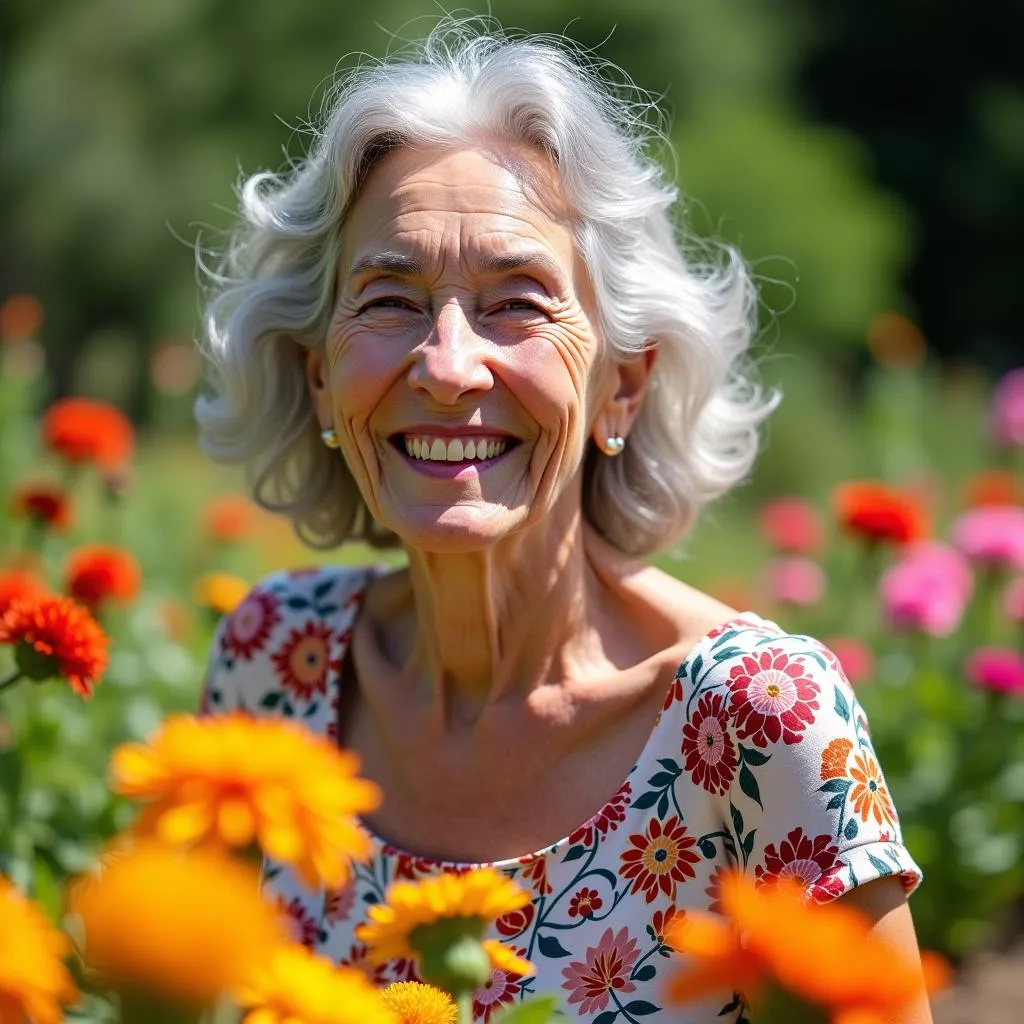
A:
x: 45, y: 504
x: 869, y: 794
x: 220, y: 591
x: 84, y: 430
x: 19, y: 584
x: 879, y: 513
x: 833, y: 759
x: 98, y: 573
x: 183, y: 927
x: 54, y: 636
x: 239, y: 780
x: 229, y: 518
x: 33, y: 979
x: 994, y: 487
x: 416, y: 1003
x: 772, y: 936
x: 21, y: 316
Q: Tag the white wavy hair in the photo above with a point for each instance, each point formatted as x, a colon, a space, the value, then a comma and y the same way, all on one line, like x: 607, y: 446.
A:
x: 271, y: 295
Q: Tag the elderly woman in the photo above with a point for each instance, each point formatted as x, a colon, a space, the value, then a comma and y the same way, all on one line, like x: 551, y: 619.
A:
x: 464, y: 324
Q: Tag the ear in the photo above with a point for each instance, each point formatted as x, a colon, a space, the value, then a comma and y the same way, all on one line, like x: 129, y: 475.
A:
x: 316, y: 370
x: 626, y: 391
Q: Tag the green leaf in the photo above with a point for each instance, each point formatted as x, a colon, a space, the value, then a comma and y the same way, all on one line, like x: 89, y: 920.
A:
x: 842, y: 708
x: 663, y: 805
x: 574, y: 853
x: 606, y: 1018
x: 748, y: 844
x: 662, y: 779
x: 749, y: 785
x: 538, y: 1010
x: 640, y: 1007
x: 550, y: 947
x: 645, y: 800
x: 850, y: 832
x: 737, y: 819
x: 645, y: 973
x: 753, y: 757
x: 707, y: 848
x: 669, y: 765
x: 272, y: 699
x: 835, y: 786
x: 880, y: 866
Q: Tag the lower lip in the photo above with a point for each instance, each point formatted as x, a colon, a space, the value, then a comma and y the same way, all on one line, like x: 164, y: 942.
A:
x: 452, y: 470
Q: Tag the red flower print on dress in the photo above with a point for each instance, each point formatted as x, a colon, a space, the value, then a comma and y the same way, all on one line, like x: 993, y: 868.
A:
x: 714, y: 889
x: 585, y: 903
x: 606, y: 820
x: 304, y: 660
x: 515, y: 922
x: 303, y: 925
x: 535, y: 869
x: 338, y: 903
x: 605, y: 970
x: 500, y: 989
x: 675, y: 693
x: 249, y: 625
x: 814, y: 862
x: 708, y: 750
x: 407, y: 866
x: 732, y: 624
x: 659, y: 859
x: 660, y: 922
x: 773, y: 698
x: 869, y: 793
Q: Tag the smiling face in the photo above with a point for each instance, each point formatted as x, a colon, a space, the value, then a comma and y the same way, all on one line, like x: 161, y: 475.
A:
x: 462, y: 366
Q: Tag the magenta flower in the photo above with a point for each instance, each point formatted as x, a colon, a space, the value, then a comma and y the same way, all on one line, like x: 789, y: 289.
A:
x: 795, y: 581
x: 992, y: 536
x: 1006, y: 418
x: 1013, y: 600
x: 997, y: 668
x: 854, y: 657
x: 927, y: 590
x: 792, y: 526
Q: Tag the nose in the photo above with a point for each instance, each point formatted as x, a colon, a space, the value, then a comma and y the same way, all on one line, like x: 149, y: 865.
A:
x: 451, y: 362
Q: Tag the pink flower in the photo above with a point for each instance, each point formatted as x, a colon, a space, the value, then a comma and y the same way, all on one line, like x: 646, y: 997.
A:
x: 795, y: 580
x: 997, y: 668
x: 1013, y: 600
x: 855, y: 658
x: 992, y: 536
x: 606, y: 969
x: 792, y: 526
x: 1006, y: 418
x: 927, y: 590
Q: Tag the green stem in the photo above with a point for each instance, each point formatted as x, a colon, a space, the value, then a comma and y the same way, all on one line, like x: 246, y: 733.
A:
x: 464, y: 1004
x: 10, y: 680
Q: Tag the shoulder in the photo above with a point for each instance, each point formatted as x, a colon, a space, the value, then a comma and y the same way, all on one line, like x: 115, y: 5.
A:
x: 287, y: 633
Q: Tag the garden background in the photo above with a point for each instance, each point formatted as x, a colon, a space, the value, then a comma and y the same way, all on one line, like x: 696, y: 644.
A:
x: 867, y: 158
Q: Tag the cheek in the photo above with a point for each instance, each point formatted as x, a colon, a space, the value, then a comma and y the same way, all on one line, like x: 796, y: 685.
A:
x: 364, y: 366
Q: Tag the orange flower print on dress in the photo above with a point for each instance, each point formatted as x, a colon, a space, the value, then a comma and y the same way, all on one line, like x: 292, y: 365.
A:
x: 304, y: 661
x: 661, y: 858
x: 709, y: 752
x: 250, y: 624
x: 535, y: 870
x: 833, y: 759
x: 773, y: 697
x: 814, y: 863
x: 869, y: 793
x: 605, y: 970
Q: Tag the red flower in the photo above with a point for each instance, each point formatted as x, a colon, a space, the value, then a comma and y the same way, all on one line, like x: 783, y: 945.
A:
x: 500, y: 988
x: 303, y: 925
x: 585, y: 903
x: 792, y: 526
x: 710, y: 755
x: 55, y: 636
x: 304, y: 660
x: 99, y: 573
x: 229, y: 518
x: 338, y: 903
x: 83, y: 430
x: 813, y: 862
x: 606, y: 969
x: 18, y: 584
x: 536, y: 870
x: 660, y: 923
x: 248, y: 627
x: 878, y: 513
x: 606, y: 820
x: 659, y: 859
x: 45, y: 504
x: 714, y: 889
x: 515, y: 922
x: 772, y: 697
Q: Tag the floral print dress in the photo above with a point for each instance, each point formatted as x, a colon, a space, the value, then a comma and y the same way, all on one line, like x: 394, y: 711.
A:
x: 760, y: 757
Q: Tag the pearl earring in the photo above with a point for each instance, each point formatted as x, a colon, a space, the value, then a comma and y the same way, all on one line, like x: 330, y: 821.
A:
x: 330, y: 437
x: 614, y: 444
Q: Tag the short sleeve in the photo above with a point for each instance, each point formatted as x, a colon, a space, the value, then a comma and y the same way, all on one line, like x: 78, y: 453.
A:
x: 280, y: 650
x: 806, y: 795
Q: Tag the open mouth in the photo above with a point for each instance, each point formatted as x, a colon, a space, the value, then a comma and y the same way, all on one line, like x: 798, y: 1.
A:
x: 466, y: 449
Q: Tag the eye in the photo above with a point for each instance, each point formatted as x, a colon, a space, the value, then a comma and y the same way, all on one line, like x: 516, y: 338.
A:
x: 389, y: 302
x: 517, y: 306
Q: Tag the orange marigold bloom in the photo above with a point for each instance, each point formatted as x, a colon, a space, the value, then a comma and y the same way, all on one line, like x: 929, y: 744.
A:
x: 183, y: 927
x: 85, y: 430
x: 869, y: 794
x: 297, y: 986
x: 98, y: 573
x: 54, y: 636
x: 44, y: 503
x: 416, y: 1003
x: 34, y: 982
x: 774, y: 936
x: 231, y: 517
x: 833, y: 759
x: 19, y: 584
x: 994, y: 487
x: 237, y: 780
x: 879, y: 513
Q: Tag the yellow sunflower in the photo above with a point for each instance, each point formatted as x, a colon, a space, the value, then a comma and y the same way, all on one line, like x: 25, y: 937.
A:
x: 416, y: 1003
x: 34, y: 982
x: 240, y: 780
x: 296, y: 987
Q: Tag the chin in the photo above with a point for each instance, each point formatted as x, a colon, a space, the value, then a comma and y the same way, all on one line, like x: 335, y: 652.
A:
x: 458, y: 530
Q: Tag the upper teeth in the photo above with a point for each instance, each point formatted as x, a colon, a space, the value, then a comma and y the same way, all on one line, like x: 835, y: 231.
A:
x: 454, y: 450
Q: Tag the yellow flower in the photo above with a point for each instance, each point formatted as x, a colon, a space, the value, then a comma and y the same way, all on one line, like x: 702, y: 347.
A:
x: 184, y: 927
x: 219, y: 591
x: 33, y: 980
x: 296, y: 987
x: 237, y: 780
x: 504, y: 959
x: 416, y: 1003
x: 483, y: 894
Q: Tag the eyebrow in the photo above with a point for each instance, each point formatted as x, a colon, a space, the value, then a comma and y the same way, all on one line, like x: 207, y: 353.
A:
x: 401, y: 265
